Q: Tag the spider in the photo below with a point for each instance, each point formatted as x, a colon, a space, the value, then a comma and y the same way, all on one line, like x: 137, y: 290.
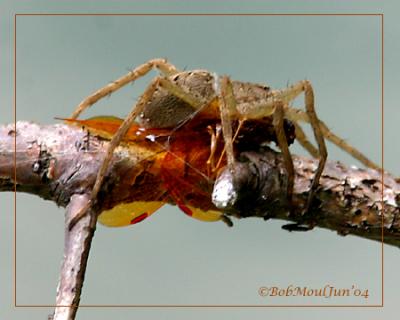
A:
x: 174, y: 98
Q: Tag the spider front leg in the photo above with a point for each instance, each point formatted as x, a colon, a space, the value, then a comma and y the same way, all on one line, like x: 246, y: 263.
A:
x: 162, y: 65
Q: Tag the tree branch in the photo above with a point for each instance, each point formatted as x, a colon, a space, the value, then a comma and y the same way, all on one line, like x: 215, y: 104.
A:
x: 60, y: 163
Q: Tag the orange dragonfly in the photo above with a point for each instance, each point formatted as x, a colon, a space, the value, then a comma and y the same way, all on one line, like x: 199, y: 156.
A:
x: 186, y: 160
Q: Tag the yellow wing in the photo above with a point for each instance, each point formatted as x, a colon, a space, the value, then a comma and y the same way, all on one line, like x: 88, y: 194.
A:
x: 125, y: 214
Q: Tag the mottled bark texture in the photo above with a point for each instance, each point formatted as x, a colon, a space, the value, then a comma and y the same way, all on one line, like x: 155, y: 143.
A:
x: 60, y: 163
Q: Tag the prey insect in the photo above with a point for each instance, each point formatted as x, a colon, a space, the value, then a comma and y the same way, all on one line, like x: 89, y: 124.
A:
x: 197, y: 123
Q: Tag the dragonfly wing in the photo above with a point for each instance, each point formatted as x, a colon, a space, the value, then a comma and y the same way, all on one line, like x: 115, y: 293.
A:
x: 196, y: 213
x: 126, y: 214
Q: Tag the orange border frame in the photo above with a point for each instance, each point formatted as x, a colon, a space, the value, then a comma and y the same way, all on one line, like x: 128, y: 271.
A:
x: 381, y: 15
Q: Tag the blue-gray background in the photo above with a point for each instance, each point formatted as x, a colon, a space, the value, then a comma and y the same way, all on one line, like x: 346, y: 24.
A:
x: 169, y: 258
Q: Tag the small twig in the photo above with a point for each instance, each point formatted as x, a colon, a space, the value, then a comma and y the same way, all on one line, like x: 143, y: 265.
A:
x: 77, y: 243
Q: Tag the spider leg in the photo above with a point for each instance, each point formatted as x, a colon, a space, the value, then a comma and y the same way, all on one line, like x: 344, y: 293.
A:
x: 221, y: 157
x: 347, y: 147
x: 303, y: 140
x: 211, y: 167
x: 116, y: 139
x: 289, y: 94
x: 227, y: 107
x: 319, y: 137
x: 278, y: 117
x: 299, y: 115
x: 161, y: 64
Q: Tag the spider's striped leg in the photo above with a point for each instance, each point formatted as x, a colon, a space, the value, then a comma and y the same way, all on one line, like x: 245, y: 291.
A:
x: 278, y: 117
x: 162, y: 65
